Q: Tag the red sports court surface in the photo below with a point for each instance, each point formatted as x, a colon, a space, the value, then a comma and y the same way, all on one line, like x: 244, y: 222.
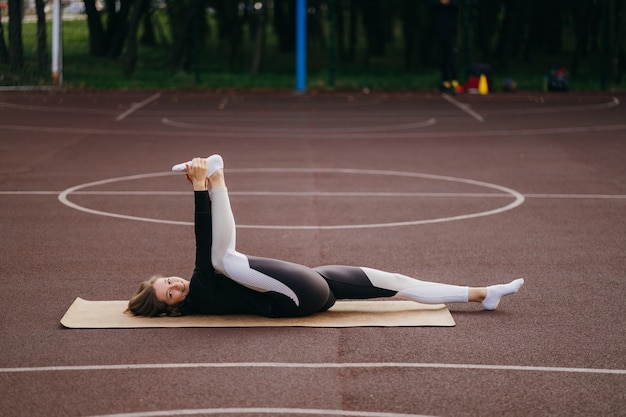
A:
x: 470, y: 190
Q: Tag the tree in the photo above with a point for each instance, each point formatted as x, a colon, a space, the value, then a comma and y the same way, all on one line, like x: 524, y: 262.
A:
x: 259, y: 39
x: 108, y: 40
x: 188, y: 23
x: 42, y: 56
x: 139, y: 8
x: 16, y: 47
x: 117, y: 28
x: 4, y: 52
x: 97, y: 46
x: 417, y: 33
x: 377, y: 24
x: 285, y: 25
x: 617, y: 57
x: 230, y: 21
x: 502, y: 32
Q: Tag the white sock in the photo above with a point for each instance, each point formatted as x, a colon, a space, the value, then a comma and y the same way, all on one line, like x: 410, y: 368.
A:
x: 496, y: 292
x: 215, y: 162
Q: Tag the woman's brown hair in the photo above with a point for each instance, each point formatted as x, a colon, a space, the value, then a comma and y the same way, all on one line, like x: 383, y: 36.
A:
x: 145, y: 302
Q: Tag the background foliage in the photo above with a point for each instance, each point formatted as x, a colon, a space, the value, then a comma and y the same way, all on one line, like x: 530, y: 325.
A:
x: 351, y: 43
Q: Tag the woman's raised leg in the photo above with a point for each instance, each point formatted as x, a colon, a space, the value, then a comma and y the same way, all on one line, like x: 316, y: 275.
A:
x: 303, y: 286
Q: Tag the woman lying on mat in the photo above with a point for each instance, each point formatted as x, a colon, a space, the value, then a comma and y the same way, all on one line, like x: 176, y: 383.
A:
x: 225, y: 281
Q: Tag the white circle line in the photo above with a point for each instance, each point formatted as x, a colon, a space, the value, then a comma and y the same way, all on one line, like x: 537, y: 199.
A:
x: 296, y: 194
x: 261, y: 410
x: 330, y: 194
x: 285, y: 130
x: 64, y: 200
x: 518, y: 198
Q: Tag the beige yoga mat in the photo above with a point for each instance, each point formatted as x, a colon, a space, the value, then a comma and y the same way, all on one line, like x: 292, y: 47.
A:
x: 84, y: 314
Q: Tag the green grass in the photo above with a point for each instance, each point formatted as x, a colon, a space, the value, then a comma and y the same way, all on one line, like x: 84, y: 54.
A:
x: 215, y: 72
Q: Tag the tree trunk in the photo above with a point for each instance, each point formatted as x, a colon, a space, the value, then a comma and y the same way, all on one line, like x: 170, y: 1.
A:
x: 112, y: 22
x: 616, y: 67
x: 377, y: 26
x: 285, y: 25
x: 148, y: 37
x: 486, y: 27
x: 96, y: 30
x: 352, y: 30
x: 120, y: 31
x: 409, y: 31
x: 259, y: 42
x: 580, y: 20
x: 314, y: 26
x: 512, y: 41
x: 42, y: 56
x: 16, y: 47
x: 340, y: 29
x: 4, y: 52
x: 130, y: 61
x: 180, y: 49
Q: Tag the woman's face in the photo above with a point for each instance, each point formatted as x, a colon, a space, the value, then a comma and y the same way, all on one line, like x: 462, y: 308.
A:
x: 171, y: 290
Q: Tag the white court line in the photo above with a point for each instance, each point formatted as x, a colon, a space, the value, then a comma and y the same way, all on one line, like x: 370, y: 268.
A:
x: 563, y: 109
x: 325, y: 136
x: 51, y: 108
x: 268, y: 194
x: 136, y: 106
x: 463, y: 107
x: 329, y: 194
x: 579, y: 196
x: 262, y: 410
x: 345, y: 365
x: 29, y: 192
x: 614, y: 101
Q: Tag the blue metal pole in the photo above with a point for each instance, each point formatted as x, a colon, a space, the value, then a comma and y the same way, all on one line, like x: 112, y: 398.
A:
x: 300, y: 45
